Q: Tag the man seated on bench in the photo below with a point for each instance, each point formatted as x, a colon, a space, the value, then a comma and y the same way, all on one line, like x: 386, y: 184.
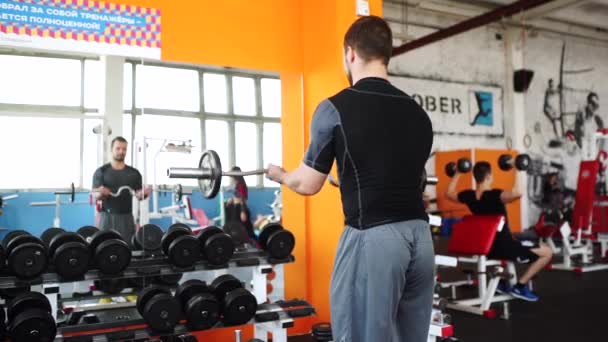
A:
x: 489, y: 201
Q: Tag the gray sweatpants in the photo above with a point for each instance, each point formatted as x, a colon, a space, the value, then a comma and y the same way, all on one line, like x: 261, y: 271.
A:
x: 122, y: 223
x: 382, y: 284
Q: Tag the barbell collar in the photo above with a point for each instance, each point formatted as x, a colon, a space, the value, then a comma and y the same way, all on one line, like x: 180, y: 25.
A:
x: 432, y: 180
x: 184, y: 172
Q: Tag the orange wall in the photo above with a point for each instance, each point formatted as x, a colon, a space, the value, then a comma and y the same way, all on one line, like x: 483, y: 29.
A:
x: 261, y: 34
x: 302, y: 42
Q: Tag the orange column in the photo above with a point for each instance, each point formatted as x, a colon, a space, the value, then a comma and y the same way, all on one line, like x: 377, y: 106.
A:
x: 324, y: 24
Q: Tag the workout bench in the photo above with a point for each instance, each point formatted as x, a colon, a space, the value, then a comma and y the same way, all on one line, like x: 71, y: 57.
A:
x: 471, y: 241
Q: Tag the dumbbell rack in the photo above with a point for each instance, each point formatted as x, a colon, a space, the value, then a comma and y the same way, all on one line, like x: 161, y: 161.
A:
x: 257, y: 260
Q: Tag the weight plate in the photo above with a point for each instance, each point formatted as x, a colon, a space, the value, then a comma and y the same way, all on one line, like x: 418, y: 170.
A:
x: 26, y: 301
x: 237, y: 232
x: 208, y: 232
x: 202, y: 311
x: 2, y: 258
x: 148, y: 237
x: 111, y: 285
x: 33, y: 325
x: 22, y: 239
x: 168, y: 279
x: 224, y: 284
x: 239, y: 307
x: 321, y: 328
x: 180, y: 225
x: 450, y: 169
x: 280, y: 244
x: 147, y: 293
x: 103, y: 235
x: 504, y: 162
x: 266, y: 232
x: 178, y: 193
x: 49, y: 234
x: 28, y: 260
x: 170, y: 236
x: 189, y: 289
x: 61, y: 239
x: 162, y: 312
x: 87, y: 232
x: 8, y: 237
x: 72, y: 193
x: 10, y: 293
x: 210, y: 186
x: 112, y: 256
x: 219, y: 249
x: 184, y: 251
x: 72, y: 259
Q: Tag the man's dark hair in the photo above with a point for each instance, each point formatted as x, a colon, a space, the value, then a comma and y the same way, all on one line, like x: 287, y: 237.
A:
x: 481, y: 170
x: 591, y: 95
x: 371, y: 38
x: 119, y: 139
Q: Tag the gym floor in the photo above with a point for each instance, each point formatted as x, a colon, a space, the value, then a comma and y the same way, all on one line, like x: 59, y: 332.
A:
x: 572, y: 308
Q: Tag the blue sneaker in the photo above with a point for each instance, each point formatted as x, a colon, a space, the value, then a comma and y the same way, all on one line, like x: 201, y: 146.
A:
x: 523, y: 292
x: 503, y: 287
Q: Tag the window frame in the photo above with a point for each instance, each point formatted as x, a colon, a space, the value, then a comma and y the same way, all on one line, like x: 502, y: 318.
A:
x: 83, y: 113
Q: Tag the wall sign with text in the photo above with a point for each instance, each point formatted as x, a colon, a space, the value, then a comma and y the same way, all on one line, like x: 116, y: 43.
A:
x: 455, y: 107
x: 81, y: 26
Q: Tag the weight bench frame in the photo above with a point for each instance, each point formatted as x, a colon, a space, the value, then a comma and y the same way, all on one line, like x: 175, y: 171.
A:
x: 489, y: 272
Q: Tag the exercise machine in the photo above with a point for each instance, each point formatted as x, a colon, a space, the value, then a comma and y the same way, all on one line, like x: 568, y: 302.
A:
x: 57, y: 203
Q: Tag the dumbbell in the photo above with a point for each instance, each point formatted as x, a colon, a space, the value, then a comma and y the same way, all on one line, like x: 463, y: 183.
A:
x: 111, y: 254
x: 148, y: 238
x: 277, y: 241
x: 159, y: 308
x: 25, y: 254
x: 463, y: 165
x: 180, y: 246
x: 217, y: 246
x: 87, y: 232
x: 68, y: 252
x: 30, y: 319
x: 111, y: 286
x: 200, y: 306
x: 237, y: 305
x: 521, y: 162
x: 237, y: 232
x: 170, y: 280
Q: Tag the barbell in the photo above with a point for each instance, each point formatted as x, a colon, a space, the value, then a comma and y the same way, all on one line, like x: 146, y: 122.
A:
x: 521, y: 162
x: 209, y: 173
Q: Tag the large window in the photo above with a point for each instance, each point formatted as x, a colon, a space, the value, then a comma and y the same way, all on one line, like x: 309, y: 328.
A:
x: 50, y: 108
x: 236, y: 114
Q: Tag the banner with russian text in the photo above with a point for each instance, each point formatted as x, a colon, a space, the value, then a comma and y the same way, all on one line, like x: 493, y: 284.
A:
x: 96, y: 27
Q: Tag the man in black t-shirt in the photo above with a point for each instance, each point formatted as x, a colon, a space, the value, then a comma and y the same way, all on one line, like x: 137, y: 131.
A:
x: 486, y: 200
x: 117, y: 212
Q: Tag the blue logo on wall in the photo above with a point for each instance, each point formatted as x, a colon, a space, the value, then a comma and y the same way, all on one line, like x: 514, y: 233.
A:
x: 483, y: 112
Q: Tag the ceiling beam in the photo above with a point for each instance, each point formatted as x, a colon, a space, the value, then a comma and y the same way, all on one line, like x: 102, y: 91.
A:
x: 469, y: 24
x: 553, y: 6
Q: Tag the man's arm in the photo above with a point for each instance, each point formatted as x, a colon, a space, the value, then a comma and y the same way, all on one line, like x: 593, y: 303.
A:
x: 451, y: 193
x: 514, y: 194
x: 309, y: 177
x: 304, y: 180
x: 140, y: 192
x: 100, y: 191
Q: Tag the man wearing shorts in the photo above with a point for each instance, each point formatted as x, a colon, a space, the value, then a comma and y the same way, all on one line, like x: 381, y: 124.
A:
x: 486, y: 200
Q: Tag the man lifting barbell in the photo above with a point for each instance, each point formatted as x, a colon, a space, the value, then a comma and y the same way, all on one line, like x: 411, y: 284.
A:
x: 486, y: 200
x: 117, y: 208
x: 386, y: 223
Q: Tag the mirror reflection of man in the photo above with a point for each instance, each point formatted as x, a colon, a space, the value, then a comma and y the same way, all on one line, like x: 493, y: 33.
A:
x: 117, y: 212
x: 588, y: 120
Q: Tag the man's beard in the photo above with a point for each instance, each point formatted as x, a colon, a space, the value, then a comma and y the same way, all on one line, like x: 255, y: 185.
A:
x: 119, y: 158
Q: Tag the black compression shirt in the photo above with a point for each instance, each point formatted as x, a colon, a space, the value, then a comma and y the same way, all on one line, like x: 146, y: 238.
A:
x: 114, y: 179
x: 381, y: 139
x: 489, y: 203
